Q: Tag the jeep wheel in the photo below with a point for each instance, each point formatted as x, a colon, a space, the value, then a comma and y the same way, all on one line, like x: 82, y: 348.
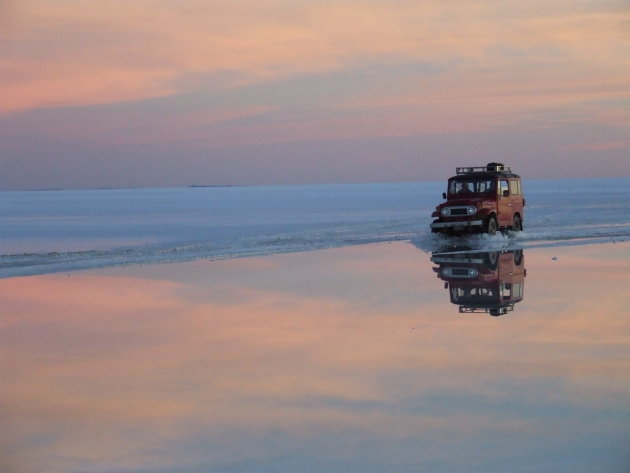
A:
x: 492, y: 260
x: 517, y: 224
x: 491, y: 226
x: 518, y: 257
x: 436, y: 230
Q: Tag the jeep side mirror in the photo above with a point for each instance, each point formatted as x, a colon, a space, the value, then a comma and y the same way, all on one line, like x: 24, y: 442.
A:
x: 443, y: 195
x: 506, y: 193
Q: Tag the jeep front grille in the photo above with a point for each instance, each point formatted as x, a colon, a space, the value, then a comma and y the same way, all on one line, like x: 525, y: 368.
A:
x: 459, y: 211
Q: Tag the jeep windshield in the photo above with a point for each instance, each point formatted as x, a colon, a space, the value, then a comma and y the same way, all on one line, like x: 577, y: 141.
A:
x: 471, y: 295
x: 469, y: 186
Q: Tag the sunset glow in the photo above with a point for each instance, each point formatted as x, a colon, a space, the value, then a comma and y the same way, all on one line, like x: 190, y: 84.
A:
x: 107, y: 93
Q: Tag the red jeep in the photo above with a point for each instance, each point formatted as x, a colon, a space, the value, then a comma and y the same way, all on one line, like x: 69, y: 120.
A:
x: 481, y: 199
x: 478, y: 282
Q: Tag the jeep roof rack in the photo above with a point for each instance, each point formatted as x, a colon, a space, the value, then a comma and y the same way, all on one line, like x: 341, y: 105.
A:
x: 490, y: 167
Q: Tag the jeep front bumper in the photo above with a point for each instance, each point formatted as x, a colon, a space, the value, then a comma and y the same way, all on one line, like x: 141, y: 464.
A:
x: 465, y: 224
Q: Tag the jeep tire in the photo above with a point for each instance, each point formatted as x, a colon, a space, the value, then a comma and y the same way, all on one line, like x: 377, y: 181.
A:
x: 517, y: 224
x: 491, y: 226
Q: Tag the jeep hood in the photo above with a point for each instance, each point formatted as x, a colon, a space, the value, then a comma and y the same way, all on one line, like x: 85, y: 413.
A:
x: 464, y: 201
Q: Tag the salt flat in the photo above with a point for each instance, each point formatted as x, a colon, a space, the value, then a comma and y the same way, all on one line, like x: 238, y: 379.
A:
x: 60, y: 231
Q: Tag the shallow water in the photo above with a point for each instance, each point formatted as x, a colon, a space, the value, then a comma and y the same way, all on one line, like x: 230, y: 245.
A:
x: 54, y: 231
x: 354, y: 359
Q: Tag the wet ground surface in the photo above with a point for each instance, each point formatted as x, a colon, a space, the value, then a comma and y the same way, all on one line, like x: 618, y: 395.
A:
x: 373, y: 358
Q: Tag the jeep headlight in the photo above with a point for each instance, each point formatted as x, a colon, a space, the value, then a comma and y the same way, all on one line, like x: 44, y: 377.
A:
x: 459, y: 272
x: 472, y: 210
x: 445, y: 212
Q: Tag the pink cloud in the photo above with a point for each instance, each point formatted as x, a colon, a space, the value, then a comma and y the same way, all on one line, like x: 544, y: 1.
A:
x: 598, y: 146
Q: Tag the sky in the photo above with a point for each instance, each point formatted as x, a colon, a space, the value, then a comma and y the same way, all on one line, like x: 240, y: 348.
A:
x: 153, y: 93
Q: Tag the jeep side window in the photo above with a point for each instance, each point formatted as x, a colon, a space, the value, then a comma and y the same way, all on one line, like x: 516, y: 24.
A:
x: 515, y: 187
x: 503, y: 186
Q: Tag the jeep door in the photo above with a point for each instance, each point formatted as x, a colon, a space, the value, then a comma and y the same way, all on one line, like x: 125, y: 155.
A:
x: 516, y: 195
x: 504, y: 204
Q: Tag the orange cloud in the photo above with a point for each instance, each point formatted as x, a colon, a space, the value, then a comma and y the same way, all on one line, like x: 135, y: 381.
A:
x: 85, y: 52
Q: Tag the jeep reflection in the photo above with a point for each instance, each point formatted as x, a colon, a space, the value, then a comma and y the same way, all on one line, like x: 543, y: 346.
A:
x: 483, y: 199
x: 483, y: 282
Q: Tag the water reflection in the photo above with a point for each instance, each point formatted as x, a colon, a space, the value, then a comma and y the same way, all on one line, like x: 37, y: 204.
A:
x: 332, y: 361
x: 490, y: 282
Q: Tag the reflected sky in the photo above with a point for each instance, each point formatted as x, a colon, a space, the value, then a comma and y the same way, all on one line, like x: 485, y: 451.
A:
x: 344, y: 360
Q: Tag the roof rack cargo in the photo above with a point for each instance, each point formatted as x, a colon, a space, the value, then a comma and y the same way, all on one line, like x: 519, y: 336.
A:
x: 490, y: 167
